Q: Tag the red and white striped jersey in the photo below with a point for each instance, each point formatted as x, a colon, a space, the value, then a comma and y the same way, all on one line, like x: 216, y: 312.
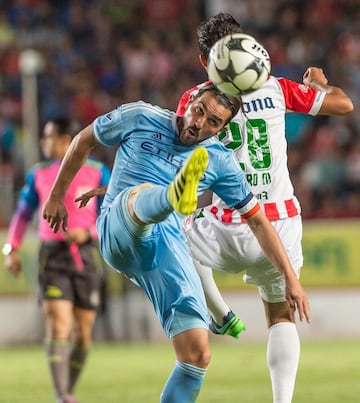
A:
x: 257, y: 137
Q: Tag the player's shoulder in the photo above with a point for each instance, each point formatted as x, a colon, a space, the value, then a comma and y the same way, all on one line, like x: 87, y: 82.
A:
x: 40, y: 168
x: 281, y: 87
x: 272, y: 83
x: 216, y: 149
x: 270, y: 88
x: 145, y: 108
x: 291, y: 86
x: 197, y: 88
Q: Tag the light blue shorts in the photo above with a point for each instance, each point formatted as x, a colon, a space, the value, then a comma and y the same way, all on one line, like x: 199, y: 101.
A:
x: 158, y: 260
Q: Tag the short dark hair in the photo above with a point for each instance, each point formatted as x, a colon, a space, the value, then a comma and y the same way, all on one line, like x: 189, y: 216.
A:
x: 215, y: 28
x: 65, y: 126
x: 233, y: 104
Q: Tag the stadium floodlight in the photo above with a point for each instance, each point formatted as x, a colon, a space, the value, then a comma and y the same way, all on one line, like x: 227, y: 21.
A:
x: 31, y: 63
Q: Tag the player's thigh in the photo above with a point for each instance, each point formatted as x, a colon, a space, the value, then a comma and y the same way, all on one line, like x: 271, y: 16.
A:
x: 270, y: 281
x: 122, y: 240
x: 87, y: 282
x: 227, y: 247
x: 172, y: 283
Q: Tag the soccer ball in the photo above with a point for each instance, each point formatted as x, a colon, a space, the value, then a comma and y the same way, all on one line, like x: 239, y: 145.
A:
x: 238, y: 64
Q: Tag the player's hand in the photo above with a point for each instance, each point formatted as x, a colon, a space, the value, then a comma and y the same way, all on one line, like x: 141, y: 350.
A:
x: 297, y: 299
x: 314, y: 77
x: 54, y: 212
x: 85, y: 197
x: 13, y: 263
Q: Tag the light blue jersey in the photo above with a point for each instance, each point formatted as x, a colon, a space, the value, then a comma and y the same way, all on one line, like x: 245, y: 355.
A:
x: 160, y: 263
x: 150, y: 151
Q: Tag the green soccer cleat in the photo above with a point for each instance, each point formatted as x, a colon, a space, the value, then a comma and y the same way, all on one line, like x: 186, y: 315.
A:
x: 232, y: 326
x: 182, y: 192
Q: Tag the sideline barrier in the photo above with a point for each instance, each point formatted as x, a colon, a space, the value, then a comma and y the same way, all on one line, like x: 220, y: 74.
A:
x: 331, y: 259
x: 331, y: 252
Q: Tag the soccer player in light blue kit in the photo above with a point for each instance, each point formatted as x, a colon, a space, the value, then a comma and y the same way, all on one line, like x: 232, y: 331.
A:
x: 158, y: 172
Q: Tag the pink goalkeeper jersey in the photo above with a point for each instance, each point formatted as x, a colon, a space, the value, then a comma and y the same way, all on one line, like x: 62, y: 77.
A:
x: 257, y: 137
x: 36, y: 190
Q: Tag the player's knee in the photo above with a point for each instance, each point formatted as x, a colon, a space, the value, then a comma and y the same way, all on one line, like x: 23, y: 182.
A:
x: 130, y: 202
x: 82, y: 338
x: 200, y: 358
x: 205, y: 359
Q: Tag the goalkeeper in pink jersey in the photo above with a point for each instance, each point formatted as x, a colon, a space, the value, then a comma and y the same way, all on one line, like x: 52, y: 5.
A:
x: 70, y: 266
x: 217, y: 235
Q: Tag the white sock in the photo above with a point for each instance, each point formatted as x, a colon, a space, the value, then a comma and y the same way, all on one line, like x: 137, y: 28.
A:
x: 215, y: 302
x: 283, y: 353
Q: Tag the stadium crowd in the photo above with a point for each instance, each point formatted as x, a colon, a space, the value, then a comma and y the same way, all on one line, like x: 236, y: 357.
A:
x: 99, y: 54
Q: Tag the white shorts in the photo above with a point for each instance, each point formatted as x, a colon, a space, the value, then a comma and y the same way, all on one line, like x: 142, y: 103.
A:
x: 234, y: 248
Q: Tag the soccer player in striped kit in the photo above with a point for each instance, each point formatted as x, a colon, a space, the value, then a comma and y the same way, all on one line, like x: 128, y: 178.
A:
x: 70, y: 265
x: 218, y: 236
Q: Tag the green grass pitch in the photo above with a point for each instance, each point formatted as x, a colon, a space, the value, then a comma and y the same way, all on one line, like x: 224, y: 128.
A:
x: 135, y: 373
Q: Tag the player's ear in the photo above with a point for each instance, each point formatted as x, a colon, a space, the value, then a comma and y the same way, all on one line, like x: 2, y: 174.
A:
x: 203, y: 61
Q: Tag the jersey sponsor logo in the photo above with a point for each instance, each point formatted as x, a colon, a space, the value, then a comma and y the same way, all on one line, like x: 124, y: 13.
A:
x: 160, y: 153
x: 255, y: 179
x: 262, y: 196
x: 53, y: 292
x: 156, y: 136
x: 258, y: 104
x: 303, y: 88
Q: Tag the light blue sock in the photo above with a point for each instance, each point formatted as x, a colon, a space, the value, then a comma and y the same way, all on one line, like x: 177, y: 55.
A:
x: 151, y: 204
x: 183, y: 384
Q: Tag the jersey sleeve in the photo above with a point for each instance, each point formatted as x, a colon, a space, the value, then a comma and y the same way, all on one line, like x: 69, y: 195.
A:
x: 301, y: 98
x: 113, y: 127
x: 27, y: 204
x: 106, y: 128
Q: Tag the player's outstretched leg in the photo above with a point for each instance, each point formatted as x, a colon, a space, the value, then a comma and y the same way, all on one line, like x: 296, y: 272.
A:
x: 232, y: 325
x: 182, y: 191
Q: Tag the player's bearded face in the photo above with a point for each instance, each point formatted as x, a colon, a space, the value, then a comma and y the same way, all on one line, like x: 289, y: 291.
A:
x: 203, y: 118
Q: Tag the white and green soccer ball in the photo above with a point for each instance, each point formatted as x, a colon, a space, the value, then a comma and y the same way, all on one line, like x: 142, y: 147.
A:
x: 238, y: 64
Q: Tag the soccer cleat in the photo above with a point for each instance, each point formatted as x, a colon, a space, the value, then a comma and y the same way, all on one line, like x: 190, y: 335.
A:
x: 232, y: 326
x: 182, y: 191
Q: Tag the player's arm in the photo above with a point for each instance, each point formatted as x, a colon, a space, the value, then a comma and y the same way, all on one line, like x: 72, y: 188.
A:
x: 336, y: 102
x: 17, y: 229
x: 273, y: 248
x: 54, y: 210
x: 27, y: 204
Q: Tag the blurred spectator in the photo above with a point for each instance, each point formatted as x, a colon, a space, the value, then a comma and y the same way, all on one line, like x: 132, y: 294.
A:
x: 7, y: 140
